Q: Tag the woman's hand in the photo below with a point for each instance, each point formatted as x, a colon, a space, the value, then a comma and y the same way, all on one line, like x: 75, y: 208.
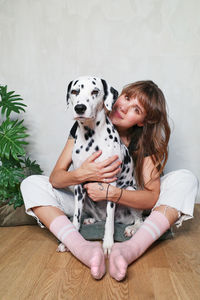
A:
x: 98, y: 191
x: 104, y: 171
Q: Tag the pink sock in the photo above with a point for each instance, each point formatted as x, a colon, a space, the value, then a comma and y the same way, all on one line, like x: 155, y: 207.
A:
x: 90, y: 253
x: 124, y: 253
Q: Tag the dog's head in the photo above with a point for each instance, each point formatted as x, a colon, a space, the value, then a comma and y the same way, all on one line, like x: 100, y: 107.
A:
x: 88, y: 95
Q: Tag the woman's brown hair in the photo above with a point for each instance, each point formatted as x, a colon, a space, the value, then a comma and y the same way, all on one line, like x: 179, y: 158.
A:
x: 152, y: 138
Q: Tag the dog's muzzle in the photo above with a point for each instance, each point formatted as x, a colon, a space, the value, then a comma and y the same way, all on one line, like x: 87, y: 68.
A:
x: 80, y: 109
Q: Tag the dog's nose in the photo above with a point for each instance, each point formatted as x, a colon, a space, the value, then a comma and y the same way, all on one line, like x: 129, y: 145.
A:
x: 80, y: 109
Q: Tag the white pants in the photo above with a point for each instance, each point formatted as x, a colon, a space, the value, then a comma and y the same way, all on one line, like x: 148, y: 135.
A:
x: 178, y: 190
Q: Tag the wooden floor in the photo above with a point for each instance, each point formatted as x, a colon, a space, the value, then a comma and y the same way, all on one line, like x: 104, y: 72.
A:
x: 30, y: 268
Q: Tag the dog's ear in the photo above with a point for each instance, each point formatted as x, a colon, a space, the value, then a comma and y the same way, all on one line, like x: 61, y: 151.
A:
x: 68, y: 92
x: 110, y: 95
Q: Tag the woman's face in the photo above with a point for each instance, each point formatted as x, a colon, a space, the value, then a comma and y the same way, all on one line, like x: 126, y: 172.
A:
x: 127, y: 112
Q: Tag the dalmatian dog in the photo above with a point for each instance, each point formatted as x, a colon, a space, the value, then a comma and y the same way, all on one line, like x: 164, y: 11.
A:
x: 89, y: 96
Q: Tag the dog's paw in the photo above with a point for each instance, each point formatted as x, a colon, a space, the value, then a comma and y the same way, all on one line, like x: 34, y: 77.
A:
x: 107, y: 246
x: 130, y: 230
x: 89, y: 221
x: 62, y: 248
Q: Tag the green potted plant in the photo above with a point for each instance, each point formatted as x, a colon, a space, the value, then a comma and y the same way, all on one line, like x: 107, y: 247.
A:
x: 15, y: 164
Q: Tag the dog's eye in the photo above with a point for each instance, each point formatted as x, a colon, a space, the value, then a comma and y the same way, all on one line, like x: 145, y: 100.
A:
x: 94, y: 92
x: 75, y: 92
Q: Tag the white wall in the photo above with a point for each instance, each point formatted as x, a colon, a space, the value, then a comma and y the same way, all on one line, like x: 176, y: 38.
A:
x: 44, y: 44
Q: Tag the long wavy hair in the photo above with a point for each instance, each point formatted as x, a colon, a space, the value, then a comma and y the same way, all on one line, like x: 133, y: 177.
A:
x: 152, y: 138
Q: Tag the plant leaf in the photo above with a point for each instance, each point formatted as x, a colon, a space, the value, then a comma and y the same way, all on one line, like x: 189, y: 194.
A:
x: 12, y: 135
x: 14, y: 167
x: 10, y: 179
x: 10, y: 102
x: 17, y: 200
x: 31, y: 167
x: 10, y: 176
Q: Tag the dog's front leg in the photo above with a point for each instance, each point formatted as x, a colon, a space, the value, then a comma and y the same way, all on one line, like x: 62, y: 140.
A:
x: 108, y: 239
x: 79, y: 197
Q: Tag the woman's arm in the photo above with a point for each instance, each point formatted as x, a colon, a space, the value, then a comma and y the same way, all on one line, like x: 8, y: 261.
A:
x: 60, y: 176
x: 139, y: 199
x: 88, y: 171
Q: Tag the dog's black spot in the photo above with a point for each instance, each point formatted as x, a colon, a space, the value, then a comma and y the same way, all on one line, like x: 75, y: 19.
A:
x: 123, y: 168
x: 80, y: 197
x: 90, y: 132
x: 86, y: 136
x: 110, y: 136
x: 127, y: 212
x: 75, y: 191
x: 97, y: 148
x: 111, y: 204
x: 115, y: 93
x: 90, y: 143
x: 107, y: 121
x: 75, y: 82
x: 81, y: 146
x: 77, y: 151
x: 80, y: 193
x: 127, y: 158
x: 121, y: 177
x: 127, y: 171
x: 79, y: 189
x: 97, y: 123
x: 94, y: 78
x: 105, y: 87
x: 87, y: 149
x: 87, y: 100
x: 127, y: 182
x: 116, y: 139
x: 94, y: 82
x: 78, y: 217
x: 68, y: 91
x: 108, y: 130
x: 82, y: 86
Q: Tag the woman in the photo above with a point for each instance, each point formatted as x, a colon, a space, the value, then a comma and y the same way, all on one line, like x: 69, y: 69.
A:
x: 140, y: 117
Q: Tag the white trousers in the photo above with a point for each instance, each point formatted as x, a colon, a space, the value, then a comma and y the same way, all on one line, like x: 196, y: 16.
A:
x: 178, y: 190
